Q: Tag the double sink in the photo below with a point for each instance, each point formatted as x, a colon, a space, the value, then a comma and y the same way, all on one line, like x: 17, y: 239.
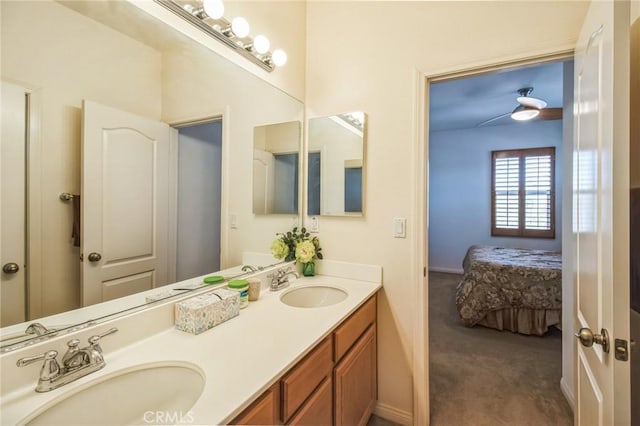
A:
x: 156, y: 393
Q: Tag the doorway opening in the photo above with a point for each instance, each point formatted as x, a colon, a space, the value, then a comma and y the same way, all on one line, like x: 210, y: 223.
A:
x: 496, y: 346
x: 199, y: 185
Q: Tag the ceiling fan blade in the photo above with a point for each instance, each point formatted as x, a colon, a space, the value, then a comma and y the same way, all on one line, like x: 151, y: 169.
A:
x: 550, y: 114
x: 493, y: 119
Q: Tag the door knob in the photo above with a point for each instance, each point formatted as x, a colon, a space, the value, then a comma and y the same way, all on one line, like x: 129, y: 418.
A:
x: 10, y: 268
x: 587, y: 338
x: 94, y: 257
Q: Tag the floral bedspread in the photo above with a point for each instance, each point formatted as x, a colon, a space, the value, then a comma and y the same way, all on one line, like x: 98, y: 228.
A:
x: 497, y: 278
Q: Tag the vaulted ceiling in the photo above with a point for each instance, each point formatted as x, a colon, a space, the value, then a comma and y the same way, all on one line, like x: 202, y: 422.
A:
x: 464, y: 103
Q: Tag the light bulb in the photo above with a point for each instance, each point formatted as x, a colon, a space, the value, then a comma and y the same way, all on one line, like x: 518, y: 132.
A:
x: 213, y: 8
x: 279, y: 57
x: 240, y: 27
x: 261, y: 44
x: 524, y: 114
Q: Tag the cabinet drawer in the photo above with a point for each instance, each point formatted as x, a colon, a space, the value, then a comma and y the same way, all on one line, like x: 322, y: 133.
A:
x: 318, y: 410
x: 302, y: 379
x: 264, y: 411
x: 347, y: 334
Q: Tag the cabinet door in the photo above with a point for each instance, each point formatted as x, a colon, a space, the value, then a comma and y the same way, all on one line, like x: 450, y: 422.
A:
x: 317, y: 411
x: 356, y: 382
x: 264, y: 411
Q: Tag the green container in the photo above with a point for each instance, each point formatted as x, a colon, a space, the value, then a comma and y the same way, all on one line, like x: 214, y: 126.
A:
x: 242, y: 287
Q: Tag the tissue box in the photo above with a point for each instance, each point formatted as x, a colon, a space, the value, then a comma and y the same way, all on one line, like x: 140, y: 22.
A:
x: 159, y: 296
x: 200, y: 313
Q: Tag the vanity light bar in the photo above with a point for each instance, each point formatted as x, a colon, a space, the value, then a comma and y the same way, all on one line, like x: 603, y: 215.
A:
x: 193, y: 12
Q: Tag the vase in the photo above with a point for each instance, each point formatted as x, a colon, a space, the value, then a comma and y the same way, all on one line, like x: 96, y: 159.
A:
x: 308, y: 269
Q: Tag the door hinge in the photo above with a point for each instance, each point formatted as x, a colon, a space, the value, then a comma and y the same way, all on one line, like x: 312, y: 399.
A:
x: 424, y: 271
x: 621, y: 350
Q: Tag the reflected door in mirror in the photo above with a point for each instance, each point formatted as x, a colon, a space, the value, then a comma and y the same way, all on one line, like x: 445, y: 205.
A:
x: 13, y: 189
x: 276, y: 168
x: 125, y: 204
x: 336, y: 165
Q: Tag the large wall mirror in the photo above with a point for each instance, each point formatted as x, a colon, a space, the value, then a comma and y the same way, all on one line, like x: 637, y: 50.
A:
x: 336, y: 166
x: 68, y: 62
x: 276, y: 165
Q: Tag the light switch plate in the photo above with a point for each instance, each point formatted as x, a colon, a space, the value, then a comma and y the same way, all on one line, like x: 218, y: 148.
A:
x: 400, y: 227
x: 233, y: 221
x: 313, y: 224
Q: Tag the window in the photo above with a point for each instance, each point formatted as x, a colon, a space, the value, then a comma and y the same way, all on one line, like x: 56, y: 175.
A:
x: 522, y: 193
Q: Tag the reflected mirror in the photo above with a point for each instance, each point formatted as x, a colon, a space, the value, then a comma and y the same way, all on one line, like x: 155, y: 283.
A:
x: 275, y: 168
x: 336, y: 166
x: 125, y: 63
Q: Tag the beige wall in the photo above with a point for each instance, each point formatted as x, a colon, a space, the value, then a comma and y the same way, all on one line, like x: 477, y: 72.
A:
x: 196, y: 86
x: 363, y: 56
x: 283, y: 22
x: 41, y: 50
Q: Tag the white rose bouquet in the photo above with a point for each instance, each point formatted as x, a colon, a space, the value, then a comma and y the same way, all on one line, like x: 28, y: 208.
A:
x: 296, y: 245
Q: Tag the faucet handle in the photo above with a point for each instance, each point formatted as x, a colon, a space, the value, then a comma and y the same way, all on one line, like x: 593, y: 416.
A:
x: 93, y: 340
x: 47, y: 356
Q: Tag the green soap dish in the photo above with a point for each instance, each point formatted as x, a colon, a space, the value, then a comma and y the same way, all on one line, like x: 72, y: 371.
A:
x: 213, y: 279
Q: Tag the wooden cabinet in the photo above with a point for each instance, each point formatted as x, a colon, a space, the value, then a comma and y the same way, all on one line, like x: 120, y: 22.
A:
x: 336, y: 383
x: 263, y: 411
x: 347, y: 333
x: 318, y: 410
x: 355, y: 382
x: 301, y: 381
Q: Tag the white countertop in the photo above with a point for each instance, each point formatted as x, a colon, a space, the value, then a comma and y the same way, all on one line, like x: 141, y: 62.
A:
x: 240, y: 358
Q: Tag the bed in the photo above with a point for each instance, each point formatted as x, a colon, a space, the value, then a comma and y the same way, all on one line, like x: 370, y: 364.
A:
x: 511, y: 289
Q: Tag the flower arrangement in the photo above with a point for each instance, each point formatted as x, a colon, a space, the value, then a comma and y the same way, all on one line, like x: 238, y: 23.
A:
x: 296, y: 245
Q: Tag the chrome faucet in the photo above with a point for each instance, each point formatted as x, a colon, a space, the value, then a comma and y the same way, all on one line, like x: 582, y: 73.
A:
x: 251, y: 268
x: 279, y: 279
x: 76, y: 362
x: 38, y: 329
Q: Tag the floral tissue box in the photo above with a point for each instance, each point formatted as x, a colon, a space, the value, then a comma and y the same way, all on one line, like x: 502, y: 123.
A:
x: 200, y: 313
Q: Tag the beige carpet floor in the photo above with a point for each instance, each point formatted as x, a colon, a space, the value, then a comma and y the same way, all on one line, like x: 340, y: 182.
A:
x: 480, y: 376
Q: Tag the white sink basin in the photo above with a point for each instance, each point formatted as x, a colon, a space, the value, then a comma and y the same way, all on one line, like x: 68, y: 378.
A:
x: 313, y: 296
x: 149, y: 394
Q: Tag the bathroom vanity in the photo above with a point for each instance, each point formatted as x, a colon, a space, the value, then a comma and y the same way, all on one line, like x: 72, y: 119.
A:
x: 334, y: 384
x: 273, y: 364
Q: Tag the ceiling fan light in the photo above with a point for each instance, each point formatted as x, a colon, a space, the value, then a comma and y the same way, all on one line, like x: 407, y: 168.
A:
x: 523, y: 113
x: 531, y: 102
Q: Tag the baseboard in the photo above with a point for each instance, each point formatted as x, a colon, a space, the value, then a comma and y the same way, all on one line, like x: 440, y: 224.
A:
x: 446, y: 270
x: 568, y: 394
x: 393, y: 414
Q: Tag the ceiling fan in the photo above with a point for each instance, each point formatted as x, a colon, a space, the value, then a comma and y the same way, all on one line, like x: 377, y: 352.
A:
x: 528, y: 108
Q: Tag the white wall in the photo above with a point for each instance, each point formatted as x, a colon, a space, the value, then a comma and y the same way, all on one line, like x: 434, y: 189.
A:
x: 41, y: 50
x: 460, y: 188
x: 363, y: 56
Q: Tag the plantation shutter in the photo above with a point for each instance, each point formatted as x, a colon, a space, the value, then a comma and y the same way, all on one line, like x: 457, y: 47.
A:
x: 523, y: 193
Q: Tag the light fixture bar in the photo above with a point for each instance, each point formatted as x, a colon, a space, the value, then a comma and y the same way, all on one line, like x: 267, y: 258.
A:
x: 264, y: 61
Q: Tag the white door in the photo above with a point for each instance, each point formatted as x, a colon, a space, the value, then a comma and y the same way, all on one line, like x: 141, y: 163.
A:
x: 12, y: 217
x: 601, y: 216
x: 263, y: 182
x: 125, y: 203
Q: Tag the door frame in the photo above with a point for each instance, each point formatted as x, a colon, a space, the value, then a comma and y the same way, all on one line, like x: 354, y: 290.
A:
x: 420, y: 252
x: 222, y: 116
